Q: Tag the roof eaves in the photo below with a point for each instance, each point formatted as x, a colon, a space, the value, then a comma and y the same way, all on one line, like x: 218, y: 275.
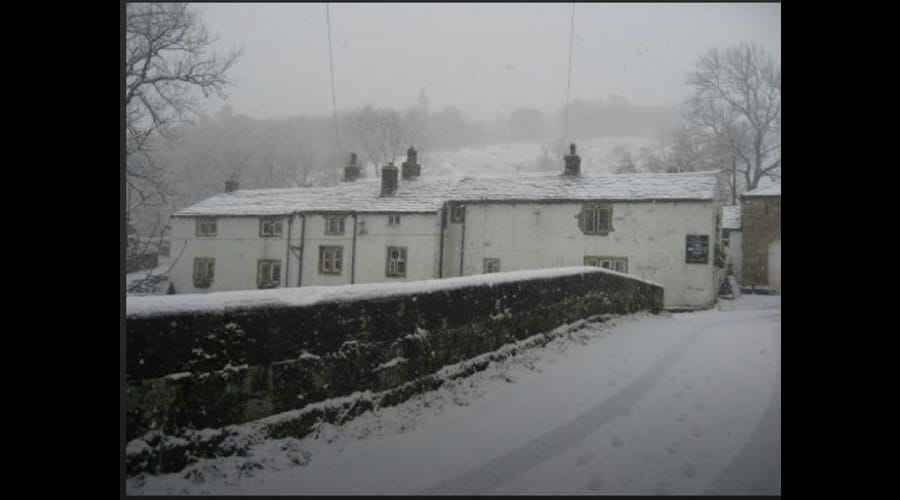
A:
x: 579, y: 200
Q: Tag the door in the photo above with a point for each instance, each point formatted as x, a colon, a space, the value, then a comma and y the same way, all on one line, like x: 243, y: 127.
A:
x: 775, y: 265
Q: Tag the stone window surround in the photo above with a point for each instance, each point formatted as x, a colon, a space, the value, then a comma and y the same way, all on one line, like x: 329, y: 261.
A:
x: 204, y: 271
x: 205, y: 227
x: 490, y: 265
x: 589, y: 211
x: 398, y: 269
x: 265, y: 271
x: 331, y: 259
x: 271, y: 227
x: 457, y: 213
x: 598, y: 260
x: 335, y: 224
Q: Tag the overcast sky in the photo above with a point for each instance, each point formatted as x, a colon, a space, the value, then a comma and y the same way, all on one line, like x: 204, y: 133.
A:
x: 487, y: 59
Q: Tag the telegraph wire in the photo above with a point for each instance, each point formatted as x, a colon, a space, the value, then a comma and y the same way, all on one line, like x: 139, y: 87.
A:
x: 337, y: 134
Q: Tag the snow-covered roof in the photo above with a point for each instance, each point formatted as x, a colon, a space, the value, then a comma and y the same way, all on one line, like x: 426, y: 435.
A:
x: 692, y: 186
x: 364, y: 195
x: 767, y: 186
x: 731, y: 217
x: 428, y: 194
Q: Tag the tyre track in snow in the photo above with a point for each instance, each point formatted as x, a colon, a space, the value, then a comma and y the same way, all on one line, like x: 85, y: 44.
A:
x: 756, y: 469
x: 517, y: 462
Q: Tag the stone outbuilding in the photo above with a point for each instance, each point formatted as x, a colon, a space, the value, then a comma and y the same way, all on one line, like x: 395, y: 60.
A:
x: 761, y: 227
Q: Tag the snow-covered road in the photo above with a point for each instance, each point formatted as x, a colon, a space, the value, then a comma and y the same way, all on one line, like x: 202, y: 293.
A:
x: 670, y: 404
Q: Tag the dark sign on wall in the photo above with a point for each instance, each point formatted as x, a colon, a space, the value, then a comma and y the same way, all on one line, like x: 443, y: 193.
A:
x: 697, y: 251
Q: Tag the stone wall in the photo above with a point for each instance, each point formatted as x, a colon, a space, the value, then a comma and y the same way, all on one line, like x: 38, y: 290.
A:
x: 761, y: 224
x: 220, y: 365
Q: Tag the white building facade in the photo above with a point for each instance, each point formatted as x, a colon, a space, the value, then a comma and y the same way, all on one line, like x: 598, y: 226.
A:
x: 647, y: 239
x: 732, y: 241
x: 661, y: 227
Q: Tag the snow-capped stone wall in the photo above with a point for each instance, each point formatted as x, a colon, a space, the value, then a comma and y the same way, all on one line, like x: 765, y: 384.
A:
x: 226, y: 358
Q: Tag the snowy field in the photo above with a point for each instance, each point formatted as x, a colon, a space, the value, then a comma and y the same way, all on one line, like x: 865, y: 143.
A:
x: 669, y: 404
x: 596, y: 157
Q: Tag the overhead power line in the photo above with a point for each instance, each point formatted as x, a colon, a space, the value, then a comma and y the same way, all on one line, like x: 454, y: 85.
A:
x: 337, y: 134
x: 569, y: 79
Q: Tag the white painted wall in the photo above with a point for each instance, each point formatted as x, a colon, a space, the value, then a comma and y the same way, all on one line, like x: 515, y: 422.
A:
x: 651, y: 235
x: 734, y: 254
x: 523, y: 236
x: 453, y: 236
x: 419, y: 233
x: 774, y: 267
x: 237, y: 247
x: 314, y: 238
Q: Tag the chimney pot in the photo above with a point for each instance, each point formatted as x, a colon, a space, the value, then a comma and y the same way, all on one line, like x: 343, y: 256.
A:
x: 389, y: 179
x: 411, y: 167
x: 352, y: 171
x: 573, y: 163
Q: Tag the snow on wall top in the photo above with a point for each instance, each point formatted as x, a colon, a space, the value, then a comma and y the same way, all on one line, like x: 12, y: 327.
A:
x: 767, y: 186
x: 731, y: 217
x: 427, y: 195
x: 219, y: 301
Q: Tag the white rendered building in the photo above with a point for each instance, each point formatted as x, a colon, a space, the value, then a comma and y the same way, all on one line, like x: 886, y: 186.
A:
x: 661, y: 227
x: 732, y: 238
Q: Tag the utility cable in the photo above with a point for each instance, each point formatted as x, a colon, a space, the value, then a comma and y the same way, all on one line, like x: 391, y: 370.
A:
x: 337, y: 133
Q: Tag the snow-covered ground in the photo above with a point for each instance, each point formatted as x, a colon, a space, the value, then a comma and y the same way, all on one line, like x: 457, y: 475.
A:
x: 669, y: 404
x: 597, y: 157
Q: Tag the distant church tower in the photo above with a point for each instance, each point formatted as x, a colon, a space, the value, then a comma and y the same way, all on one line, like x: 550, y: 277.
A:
x: 421, y: 137
x: 422, y: 103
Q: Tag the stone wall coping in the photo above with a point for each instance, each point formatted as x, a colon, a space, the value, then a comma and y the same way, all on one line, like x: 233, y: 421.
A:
x: 302, y: 296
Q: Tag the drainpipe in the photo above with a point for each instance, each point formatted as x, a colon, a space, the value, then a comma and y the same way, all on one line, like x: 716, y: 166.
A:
x: 462, y: 249
x: 441, y: 249
x: 287, y: 257
x: 734, y: 180
x: 353, y: 257
x: 302, y: 249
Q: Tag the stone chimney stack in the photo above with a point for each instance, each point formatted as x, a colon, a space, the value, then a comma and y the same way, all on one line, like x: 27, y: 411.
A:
x: 231, y: 185
x: 389, y: 179
x: 411, y: 167
x: 573, y: 163
x: 352, y: 171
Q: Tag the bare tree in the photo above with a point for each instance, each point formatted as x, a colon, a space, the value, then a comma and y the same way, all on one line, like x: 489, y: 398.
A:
x: 416, y: 123
x: 624, y: 164
x: 682, y: 150
x: 552, y: 153
x: 394, y: 133
x: 167, y: 59
x: 526, y: 124
x: 650, y: 160
x: 307, y: 151
x: 736, y: 106
x: 241, y: 144
x: 382, y: 134
x: 360, y: 127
